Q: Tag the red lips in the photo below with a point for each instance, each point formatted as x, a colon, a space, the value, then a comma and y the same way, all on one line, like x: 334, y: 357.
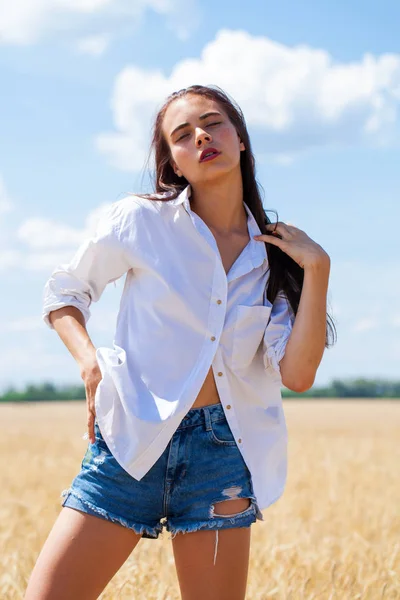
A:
x: 206, y: 151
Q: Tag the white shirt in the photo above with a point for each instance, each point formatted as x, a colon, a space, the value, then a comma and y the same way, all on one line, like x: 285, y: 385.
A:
x: 180, y: 314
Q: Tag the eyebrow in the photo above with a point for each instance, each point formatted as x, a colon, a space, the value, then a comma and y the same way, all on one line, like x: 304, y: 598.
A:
x: 182, y: 125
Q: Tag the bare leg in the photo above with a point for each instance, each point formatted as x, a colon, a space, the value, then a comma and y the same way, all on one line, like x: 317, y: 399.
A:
x: 198, y: 577
x: 80, y: 556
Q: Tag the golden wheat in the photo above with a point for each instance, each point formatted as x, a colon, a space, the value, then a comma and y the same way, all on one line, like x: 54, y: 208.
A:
x: 334, y: 534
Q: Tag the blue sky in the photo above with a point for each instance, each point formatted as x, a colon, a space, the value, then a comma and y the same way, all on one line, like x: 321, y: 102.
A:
x: 320, y: 90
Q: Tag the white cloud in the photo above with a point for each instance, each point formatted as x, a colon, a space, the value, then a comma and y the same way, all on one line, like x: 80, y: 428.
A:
x: 94, y: 45
x: 294, y: 98
x: 33, y: 261
x: 24, y: 22
x: 134, y: 100
x: 47, y: 234
x: 48, y: 242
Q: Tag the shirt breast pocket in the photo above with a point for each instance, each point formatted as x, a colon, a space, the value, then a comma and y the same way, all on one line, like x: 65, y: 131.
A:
x: 248, y: 331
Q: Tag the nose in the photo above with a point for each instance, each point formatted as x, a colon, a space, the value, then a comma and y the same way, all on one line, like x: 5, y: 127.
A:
x: 202, y: 136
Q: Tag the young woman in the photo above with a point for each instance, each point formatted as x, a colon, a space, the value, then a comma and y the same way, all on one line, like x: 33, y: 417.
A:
x: 185, y: 421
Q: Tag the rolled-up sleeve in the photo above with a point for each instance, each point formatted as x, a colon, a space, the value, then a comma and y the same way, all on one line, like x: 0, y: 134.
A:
x: 99, y: 260
x: 277, y: 333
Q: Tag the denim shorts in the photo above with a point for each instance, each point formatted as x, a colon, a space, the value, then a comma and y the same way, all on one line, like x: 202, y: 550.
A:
x: 200, y: 466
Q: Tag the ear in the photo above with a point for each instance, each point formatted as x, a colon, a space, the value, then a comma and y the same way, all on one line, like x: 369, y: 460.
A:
x: 176, y: 170
x: 241, y: 146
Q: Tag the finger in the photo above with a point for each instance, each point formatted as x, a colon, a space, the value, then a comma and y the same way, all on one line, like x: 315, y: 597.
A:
x: 270, y: 239
x: 90, y: 425
x: 280, y: 227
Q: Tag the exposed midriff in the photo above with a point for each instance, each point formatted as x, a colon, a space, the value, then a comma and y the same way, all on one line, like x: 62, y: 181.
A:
x: 229, y: 249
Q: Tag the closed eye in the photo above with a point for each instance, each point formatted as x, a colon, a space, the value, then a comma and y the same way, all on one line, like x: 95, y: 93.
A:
x: 186, y: 134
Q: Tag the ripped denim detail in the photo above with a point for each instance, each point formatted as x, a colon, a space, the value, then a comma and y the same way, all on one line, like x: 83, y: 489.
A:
x: 218, y: 521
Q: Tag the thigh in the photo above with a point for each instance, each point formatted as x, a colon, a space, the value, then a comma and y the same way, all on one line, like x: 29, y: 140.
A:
x: 211, y: 509
x: 199, y: 577
x: 80, y: 556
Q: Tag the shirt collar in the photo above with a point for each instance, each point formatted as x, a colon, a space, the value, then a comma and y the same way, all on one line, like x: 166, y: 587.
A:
x: 258, y: 249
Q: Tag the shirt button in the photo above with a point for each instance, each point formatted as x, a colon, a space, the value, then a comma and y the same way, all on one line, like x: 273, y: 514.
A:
x: 212, y: 338
x: 239, y: 440
x: 228, y: 406
x: 220, y: 374
x: 219, y: 301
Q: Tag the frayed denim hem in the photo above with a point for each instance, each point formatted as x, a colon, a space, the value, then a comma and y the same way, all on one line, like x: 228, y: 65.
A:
x: 215, y: 524
x: 79, y: 503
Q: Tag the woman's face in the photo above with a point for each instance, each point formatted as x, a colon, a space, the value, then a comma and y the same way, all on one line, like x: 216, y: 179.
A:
x: 201, y: 130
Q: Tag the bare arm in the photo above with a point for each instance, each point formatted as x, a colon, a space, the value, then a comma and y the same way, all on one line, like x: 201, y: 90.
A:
x: 69, y: 323
x: 306, y: 344
x: 70, y: 290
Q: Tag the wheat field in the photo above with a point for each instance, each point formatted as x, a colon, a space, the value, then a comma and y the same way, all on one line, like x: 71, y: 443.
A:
x: 334, y: 534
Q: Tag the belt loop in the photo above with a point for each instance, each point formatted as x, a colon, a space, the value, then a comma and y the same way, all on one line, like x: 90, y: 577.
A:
x: 207, y: 418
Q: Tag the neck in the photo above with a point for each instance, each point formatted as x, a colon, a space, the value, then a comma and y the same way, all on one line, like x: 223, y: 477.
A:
x: 220, y: 206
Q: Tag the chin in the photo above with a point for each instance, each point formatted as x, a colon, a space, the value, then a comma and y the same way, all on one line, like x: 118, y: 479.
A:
x: 215, y: 174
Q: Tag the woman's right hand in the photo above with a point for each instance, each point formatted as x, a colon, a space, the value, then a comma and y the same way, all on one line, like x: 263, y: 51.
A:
x: 91, y: 376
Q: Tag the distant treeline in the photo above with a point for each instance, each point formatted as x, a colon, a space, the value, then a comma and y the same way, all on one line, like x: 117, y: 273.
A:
x: 351, y: 388
x: 338, y: 388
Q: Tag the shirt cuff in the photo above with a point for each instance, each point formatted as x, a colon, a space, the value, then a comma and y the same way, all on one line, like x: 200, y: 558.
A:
x: 274, y: 354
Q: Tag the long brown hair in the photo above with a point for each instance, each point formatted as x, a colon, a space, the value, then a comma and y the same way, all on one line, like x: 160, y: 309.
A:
x: 286, y: 276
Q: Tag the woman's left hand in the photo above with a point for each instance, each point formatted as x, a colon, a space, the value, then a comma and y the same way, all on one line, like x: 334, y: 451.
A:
x: 296, y: 243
